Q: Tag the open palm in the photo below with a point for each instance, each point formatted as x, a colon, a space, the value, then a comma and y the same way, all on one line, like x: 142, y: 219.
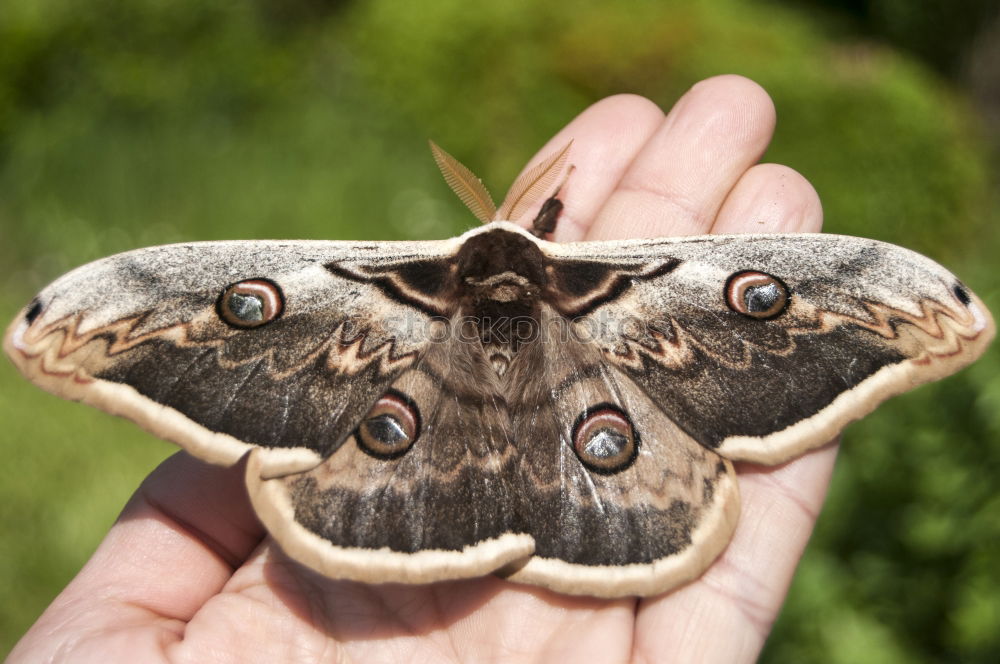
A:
x: 188, y: 574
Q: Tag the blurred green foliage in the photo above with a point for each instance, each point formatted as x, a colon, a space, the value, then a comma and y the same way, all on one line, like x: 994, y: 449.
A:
x: 940, y: 32
x: 130, y: 124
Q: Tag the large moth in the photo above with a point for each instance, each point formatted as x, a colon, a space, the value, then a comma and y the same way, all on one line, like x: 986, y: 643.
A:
x: 562, y: 414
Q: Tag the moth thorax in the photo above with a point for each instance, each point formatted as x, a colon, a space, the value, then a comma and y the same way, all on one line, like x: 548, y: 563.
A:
x: 505, y: 293
x: 504, y: 287
x: 503, y: 330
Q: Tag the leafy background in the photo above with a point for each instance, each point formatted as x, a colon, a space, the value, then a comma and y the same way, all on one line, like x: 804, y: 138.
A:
x: 130, y: 124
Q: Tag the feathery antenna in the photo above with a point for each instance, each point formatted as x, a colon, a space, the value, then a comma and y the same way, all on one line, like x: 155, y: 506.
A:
x: 465, y: 184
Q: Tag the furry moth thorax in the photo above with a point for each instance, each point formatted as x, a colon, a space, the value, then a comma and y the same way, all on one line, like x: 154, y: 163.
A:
x: 561, y: 414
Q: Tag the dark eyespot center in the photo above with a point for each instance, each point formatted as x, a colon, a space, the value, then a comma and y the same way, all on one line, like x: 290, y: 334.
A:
x: 605, y: 443
x: 761, y: 298
x: 387, y: 429
x: 605, y: 440
x: 962, y: 294
x: 34, y: 311
x: 246, y: 306
x: 390, y: 428
x: 250, y: 303
x: 756, y: 294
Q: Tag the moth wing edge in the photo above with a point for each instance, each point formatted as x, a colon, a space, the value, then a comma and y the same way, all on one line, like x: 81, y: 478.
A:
x: 644, y: 580
x: 861, y: 400
x: 157, y: 419
x: 272, y: 505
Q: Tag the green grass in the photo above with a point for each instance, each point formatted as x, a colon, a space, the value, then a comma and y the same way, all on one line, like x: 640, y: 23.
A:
x: 70, y: 470
x: 190, y: 120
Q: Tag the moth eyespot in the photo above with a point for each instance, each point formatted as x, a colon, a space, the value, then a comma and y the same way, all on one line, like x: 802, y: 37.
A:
x: 34, y: 311
x: 962, y: 294
x: 250, y: 303
x: 757, y: 294
x: 605, y: 440
x: 390, y: 428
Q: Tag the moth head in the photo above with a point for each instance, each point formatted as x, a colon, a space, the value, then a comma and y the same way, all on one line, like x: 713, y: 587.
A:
x: 757, y: 294
x: 250, y: 303
x: 500, y: 252
x: 605, y: 440
x: 390, y: 428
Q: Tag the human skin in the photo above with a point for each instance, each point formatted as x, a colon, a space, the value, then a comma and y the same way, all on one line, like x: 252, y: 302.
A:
x: 187, y: 573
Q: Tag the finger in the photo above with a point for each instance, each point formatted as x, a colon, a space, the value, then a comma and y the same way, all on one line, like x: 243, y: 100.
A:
x: 189, y: 522
x: 678, y: 182
x: 770, y: 198
x: 606, y: 137
x: 741, y: 593
x: 174, y: 546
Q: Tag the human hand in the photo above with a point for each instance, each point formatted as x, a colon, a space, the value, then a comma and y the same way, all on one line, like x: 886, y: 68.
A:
x: 187, y: 573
